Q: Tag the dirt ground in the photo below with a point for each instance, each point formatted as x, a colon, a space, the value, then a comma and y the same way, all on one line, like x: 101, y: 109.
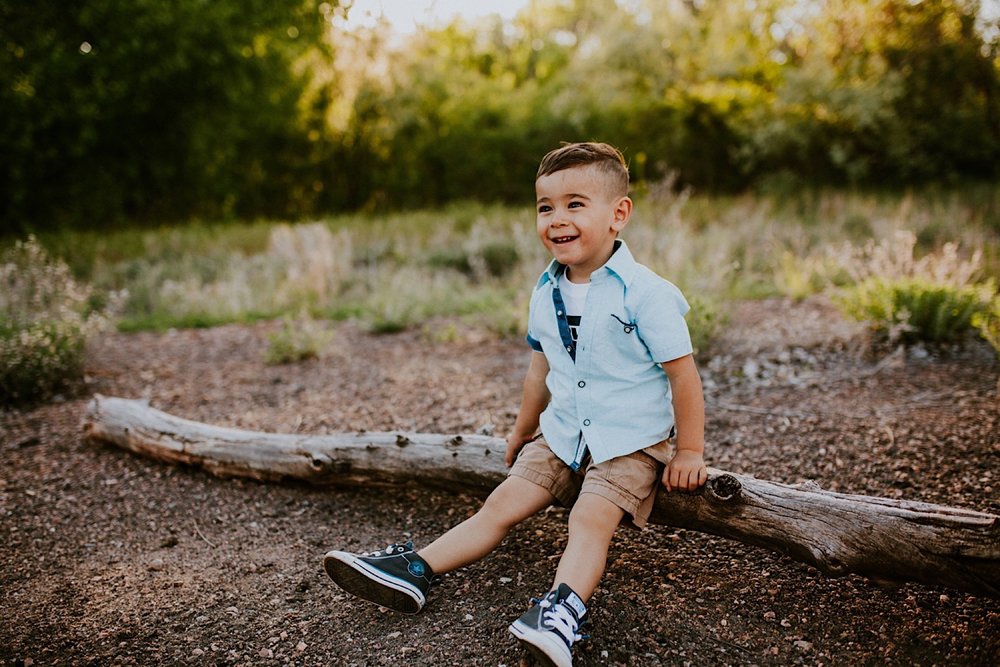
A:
x: 107, y: 558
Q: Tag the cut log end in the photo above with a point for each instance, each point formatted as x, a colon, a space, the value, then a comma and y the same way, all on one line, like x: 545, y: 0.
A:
x: 724, y: 489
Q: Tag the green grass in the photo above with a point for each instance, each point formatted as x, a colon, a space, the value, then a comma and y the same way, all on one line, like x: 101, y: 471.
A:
x: 479, y: 262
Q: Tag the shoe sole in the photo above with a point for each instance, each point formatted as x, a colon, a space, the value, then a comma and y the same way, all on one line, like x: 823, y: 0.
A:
x: 368, y: 583
x: 547, y: 650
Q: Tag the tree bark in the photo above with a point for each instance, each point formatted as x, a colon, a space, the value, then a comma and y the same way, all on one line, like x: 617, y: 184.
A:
x: 839, y: 534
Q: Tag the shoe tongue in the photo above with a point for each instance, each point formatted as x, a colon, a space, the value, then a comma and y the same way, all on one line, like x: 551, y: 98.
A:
x: 567, y: 595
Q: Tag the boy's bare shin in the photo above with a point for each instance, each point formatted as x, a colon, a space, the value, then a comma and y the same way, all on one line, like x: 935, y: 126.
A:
x: 510, y: 503
x: 592, y: 524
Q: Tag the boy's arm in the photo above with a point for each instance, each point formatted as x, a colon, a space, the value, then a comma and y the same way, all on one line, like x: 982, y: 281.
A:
x: 686, y: 469
x: 533, y: 401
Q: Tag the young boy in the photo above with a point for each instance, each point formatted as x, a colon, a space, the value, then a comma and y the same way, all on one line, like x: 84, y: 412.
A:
x: 611, y: 380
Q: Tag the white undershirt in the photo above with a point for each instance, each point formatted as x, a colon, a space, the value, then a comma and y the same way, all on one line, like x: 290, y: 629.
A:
x: 574, y: 298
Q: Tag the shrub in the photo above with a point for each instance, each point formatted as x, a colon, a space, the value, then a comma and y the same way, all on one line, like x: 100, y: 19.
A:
x: 914, y: 309
x: 297, y: 340
x: 988, y: 323
x: 705, y: 319
x: 906, y: 299
x: 45, y: 319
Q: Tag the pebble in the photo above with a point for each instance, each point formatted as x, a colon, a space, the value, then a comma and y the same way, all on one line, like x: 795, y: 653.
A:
x: 301, y: 646
x: 266, y: 653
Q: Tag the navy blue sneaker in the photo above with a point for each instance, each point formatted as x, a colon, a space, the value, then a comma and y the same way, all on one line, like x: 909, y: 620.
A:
x: 549, y: 629
x: 395, y: 577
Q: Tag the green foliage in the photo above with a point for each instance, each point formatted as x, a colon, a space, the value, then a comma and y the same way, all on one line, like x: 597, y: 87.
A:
x: 987, y: 321
x: 297, y: 340
x: 705, y: 320
x: 906, y: 299
x: 45, y: 319
x: 116, y: 111
x: 913, y: 309
x: 144, y: 109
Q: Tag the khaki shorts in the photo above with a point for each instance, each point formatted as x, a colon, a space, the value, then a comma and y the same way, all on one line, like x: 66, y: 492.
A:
x: 630, y: 481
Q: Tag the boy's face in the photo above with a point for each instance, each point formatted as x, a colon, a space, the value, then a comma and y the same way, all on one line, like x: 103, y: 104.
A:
x: 579, y: 218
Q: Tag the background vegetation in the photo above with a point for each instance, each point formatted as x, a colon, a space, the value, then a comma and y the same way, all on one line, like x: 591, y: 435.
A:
x: 142, y: 111
x: 192, y: 163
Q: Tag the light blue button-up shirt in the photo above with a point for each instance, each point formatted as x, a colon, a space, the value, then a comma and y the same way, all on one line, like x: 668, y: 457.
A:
x: 609, y: 394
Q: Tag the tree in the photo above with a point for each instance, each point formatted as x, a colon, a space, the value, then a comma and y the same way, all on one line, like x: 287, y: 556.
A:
x: 144, y: 109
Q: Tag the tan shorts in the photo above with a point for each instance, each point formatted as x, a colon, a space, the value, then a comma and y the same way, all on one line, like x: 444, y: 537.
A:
x: 630, y: 481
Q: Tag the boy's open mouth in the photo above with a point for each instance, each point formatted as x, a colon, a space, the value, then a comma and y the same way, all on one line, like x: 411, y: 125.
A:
x: 563, y: 239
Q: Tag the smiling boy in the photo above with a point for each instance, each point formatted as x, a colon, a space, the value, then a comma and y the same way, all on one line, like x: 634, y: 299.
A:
x: 611, y: 380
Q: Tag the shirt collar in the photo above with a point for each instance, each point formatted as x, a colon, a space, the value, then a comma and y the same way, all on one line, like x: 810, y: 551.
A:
x: 621, y: 264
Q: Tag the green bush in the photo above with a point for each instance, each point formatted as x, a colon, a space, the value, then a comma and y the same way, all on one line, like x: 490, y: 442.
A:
x: 297, y: 340
x: 988, y: 323
x: 45, y: 319
x: 909, y: 310
x: 705, y: 319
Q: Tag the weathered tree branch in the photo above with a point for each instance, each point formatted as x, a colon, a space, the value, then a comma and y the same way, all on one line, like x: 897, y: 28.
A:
x: 837, y: 533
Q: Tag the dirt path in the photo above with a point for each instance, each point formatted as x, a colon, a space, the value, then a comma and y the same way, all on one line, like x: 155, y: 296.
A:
x: 111, y: 559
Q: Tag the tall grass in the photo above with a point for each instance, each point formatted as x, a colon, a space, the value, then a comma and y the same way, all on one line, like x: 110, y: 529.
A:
x: 479, y: 262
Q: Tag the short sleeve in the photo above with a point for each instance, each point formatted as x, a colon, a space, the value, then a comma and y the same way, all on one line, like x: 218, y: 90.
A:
x: 661, y: 324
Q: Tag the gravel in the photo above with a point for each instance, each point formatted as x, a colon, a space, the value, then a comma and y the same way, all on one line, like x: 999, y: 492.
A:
x: 112, y: 559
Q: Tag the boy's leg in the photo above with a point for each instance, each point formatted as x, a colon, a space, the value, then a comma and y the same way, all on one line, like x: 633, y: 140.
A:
x: 549, y: 629
x: 509, y: 504
x: 398, y: 578
x: 592, y: 524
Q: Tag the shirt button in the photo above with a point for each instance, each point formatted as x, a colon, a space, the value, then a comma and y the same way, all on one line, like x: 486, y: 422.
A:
x: 559, y: 313
x: 569, y: 348
x: 586, y: 422
x: 581, y: 384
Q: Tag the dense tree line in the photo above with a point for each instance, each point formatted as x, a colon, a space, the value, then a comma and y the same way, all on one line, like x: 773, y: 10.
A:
x: 147, y: 110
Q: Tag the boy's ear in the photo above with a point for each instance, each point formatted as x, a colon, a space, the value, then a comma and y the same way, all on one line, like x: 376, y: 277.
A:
x: 621, y: 214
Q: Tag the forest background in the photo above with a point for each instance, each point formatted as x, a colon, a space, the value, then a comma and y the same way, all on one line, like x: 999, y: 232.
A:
x: 146, y: 111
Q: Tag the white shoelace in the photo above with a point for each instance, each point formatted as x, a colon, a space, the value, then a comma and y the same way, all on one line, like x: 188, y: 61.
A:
x: 559, y: 618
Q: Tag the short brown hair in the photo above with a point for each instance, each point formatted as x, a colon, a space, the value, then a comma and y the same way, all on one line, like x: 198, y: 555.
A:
x: 605, y: 157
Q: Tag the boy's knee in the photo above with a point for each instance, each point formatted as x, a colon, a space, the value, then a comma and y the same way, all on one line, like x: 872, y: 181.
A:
x: 498, y: 507
x: 593, y: 512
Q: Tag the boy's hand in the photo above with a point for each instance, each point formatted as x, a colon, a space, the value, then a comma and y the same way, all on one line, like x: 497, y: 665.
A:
x: 515, y: 443
x: 686, y: 471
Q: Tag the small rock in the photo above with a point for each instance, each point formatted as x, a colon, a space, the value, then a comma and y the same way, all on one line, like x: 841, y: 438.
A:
x: 468, y: 617
x: 197, y: 653
x: 394, y: 635
x: 266, y: 653
x: 507, y: 580
x: 769, y: 616
x: 803, y: 645
x: 155, y: 565
x: 301, y: 646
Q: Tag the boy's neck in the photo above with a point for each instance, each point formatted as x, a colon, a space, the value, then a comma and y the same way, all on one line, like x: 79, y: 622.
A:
x: 576, y: 275
x: 574, y: 278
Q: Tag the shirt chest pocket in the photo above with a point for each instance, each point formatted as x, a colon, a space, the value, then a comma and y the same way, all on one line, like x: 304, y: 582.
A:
x: 619, y: 346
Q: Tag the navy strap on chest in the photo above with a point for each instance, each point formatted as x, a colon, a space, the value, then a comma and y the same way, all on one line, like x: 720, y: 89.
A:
x: 563, y: 322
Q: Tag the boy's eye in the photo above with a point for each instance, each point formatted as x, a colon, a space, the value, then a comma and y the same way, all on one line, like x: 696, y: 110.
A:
x: 544, y: 208
x: 575, y: 204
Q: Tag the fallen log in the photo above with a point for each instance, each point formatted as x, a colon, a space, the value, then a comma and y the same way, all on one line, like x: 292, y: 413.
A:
x: 837, y: 533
